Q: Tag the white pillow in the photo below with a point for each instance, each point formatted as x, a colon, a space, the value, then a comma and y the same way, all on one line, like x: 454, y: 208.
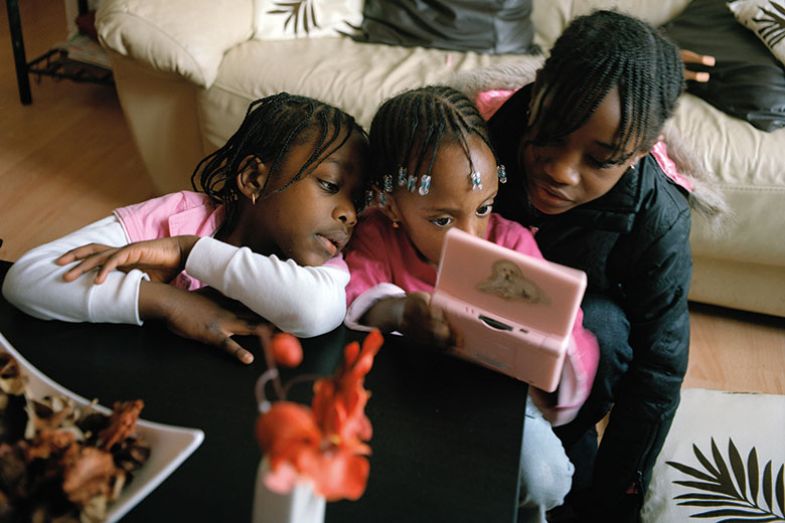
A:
x: 716, y: 457
x: 766, y: 18
x: 287, y: 19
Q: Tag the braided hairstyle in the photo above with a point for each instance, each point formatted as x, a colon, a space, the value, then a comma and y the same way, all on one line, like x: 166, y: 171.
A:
x: 414, y: 124
x: 595, y: 54
x: 272, y: 125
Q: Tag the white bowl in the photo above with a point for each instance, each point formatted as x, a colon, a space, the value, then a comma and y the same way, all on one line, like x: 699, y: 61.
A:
x: 169, y: 445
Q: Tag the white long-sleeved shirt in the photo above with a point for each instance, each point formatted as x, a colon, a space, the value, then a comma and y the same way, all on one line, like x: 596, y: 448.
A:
x: 306, y: 301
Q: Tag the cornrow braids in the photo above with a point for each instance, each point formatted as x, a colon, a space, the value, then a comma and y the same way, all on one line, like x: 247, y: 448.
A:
x: 411, y: 126
x: 595, y: 54
x: 271, y: 126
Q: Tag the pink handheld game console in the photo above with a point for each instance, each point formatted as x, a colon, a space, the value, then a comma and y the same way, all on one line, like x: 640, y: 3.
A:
x: 514, y: 313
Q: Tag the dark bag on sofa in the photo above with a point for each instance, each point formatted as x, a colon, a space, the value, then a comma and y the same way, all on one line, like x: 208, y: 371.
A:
x: 747, y: 82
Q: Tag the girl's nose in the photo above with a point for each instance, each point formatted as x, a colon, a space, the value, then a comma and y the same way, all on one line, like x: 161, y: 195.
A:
x: 563, y: 169
x: 346, y: 213
x: 474, y: 227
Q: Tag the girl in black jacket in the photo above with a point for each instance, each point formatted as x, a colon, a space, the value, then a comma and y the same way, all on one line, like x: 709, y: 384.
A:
x: 576, y: 145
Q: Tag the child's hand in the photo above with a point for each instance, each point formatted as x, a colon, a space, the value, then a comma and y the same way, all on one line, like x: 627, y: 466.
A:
x: 424, y: 323
x: 161, y: 259
x: 197, y: 316
x: 690, y: 57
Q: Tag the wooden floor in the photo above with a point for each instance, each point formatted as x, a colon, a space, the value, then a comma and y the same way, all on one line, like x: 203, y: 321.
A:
x: 68, y: 159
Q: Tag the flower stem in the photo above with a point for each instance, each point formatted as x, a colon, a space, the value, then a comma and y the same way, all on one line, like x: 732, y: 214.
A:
x: 299, y: 379
x: 266, y: 333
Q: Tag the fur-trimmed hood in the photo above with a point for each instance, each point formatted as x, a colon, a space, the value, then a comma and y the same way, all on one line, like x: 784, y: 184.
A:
x: 705, y: 198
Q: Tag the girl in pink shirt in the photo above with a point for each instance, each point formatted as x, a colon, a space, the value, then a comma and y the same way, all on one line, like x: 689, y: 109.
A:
x: 433, y: 168
x: 277, y: 207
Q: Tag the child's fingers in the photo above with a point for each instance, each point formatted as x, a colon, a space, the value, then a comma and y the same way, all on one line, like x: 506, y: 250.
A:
x: 82, y: 252
x: 695, y: 76
x: 86, y: 265
x: 441, y: 334
x: 239, y: 326
x: 119, y: 258
x: 691, y: 57
x: 236, y: 350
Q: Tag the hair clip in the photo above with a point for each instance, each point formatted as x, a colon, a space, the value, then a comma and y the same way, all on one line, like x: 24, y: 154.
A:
x: 501, y: 172
x: 476, y: 180
x: 401, y: 176
x: 411, y: 183
x: 368, y: 198
x: 382, y: 199
x: 425, y: 185
x: 388, y: 183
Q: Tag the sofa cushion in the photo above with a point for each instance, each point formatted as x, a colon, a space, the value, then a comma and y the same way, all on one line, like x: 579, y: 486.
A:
x: 285, y: 19
x: 175, y: 36
x: 463, y: 25
x: 765, y: 18
x: 747, y: 81
x: 352, y: 76
x: 745, y: 163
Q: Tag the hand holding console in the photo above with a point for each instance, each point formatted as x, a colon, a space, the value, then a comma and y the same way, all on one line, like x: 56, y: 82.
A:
x: 514, y: 312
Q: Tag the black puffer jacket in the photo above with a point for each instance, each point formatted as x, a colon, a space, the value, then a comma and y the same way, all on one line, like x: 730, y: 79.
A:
x: 633, y: 243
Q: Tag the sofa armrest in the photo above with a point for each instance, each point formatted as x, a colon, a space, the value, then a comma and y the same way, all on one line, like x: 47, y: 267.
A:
x: 185, y: 37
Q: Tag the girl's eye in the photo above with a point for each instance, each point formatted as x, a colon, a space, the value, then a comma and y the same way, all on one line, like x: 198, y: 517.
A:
x: 328, y: 186
x: 604, y: 164
x: 484, y: 210
x: 443, y: 221
x: 601, y: 164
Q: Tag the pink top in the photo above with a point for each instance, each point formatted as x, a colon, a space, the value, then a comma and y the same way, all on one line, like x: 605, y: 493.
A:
x: 380, y: 254
x: 175, y: 214
x: 180, y: 213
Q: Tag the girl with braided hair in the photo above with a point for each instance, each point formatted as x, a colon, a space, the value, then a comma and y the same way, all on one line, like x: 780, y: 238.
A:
x: 276, y: 209
x: 433, y: 168
x: 576, y: 145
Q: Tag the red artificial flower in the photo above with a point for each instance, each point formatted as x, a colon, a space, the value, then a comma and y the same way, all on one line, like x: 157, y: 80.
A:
x: 286, y: 349
x: 325, y: 443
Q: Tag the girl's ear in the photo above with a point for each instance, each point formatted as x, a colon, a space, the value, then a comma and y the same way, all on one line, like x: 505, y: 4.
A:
x: 252, y: 177
x: 637, y: 157
x: 390, y: 209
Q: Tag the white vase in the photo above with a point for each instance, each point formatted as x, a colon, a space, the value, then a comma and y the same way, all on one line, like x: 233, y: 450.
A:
x: 301, y: 505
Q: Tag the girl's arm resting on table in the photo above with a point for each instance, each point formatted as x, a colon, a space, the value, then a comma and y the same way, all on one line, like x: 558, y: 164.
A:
x: 306, y: 301
x: 35, y: 282
x: 580, y: 367
x: 389, y: 309
x: 197, y: 317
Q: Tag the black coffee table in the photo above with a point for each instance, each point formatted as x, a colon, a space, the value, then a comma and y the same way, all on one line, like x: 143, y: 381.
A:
x: 447, y: 434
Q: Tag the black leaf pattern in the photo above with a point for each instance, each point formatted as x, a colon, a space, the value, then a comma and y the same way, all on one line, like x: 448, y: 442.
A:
x: 301, y: 14
x: 752, y: 467
x: 731, y: 501
x: 738, y: 468
x: 704, y: 461
x: 771, y: 24
x: 767, y: 485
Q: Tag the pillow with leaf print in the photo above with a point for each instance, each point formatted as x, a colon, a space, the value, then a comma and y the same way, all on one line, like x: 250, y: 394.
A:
x: 483, y: 26
x: 765, y: 18
x: 288, y: 19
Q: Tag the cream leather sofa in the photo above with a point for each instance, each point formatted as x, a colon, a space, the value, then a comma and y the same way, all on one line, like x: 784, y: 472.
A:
x: 186, y: 71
